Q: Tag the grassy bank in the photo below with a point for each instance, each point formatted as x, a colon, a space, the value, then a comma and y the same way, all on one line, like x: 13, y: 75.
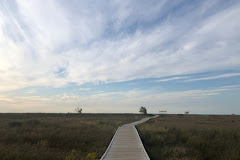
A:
x: 195, y: 137
x: 56, y: 136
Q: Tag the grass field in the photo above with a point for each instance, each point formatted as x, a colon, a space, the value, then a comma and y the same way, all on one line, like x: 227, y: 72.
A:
x: 58, y: 136
x: 192, y: 137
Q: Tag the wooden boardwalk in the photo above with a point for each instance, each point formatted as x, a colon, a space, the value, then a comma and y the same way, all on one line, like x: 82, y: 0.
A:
x: 126, y: 144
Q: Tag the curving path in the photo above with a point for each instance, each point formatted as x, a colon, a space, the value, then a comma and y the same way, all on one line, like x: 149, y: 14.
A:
x: 126, y: 144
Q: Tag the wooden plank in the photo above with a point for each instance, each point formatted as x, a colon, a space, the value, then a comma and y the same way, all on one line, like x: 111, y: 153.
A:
x: 126, y: 144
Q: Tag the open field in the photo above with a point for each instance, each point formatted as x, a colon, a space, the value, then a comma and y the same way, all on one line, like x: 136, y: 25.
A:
x: 56, y: 136
x: 192, y: 137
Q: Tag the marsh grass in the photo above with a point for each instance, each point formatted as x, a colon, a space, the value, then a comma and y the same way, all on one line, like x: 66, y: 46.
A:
x: 192, y: 137
x: 55, y: 136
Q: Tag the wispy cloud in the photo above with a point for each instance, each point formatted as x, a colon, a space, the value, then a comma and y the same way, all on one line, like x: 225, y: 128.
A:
x: 61, y: 42
x: 214, y: 77
x: 58, y: 46
x: 31, y: 91
x: 170, y: 79
x: 84, y: 89
x: 6, y: 99
x: 107, y: 100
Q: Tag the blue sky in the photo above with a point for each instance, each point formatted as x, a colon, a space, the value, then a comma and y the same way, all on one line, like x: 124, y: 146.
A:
x: 115, y: 56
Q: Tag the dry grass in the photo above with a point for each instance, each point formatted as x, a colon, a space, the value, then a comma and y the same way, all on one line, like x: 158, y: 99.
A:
x: 54, y: 136
x: 199, y: 137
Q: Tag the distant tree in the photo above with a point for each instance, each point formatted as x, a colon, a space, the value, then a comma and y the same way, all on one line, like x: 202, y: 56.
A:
x: 143, y: 110
x: 187, y: 112
x: 78, y: 109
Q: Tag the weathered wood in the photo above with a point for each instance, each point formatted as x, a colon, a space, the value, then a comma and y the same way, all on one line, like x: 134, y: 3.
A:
x: 126, y: 144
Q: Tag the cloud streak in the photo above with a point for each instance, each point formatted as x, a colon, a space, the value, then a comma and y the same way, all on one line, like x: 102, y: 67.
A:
x: 170, y: 79
x: 214, y: 77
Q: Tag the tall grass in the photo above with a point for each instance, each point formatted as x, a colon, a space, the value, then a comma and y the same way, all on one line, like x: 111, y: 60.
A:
x: 192, y: 137
x: 55, y: 136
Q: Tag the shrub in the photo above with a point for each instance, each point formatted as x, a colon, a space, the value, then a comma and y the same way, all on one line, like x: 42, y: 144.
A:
x: 72, y: 155
x: 92, y: 156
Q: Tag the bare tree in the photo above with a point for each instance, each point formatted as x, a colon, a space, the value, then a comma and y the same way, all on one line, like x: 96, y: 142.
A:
x: 143, y: 110
x: 79, y: 110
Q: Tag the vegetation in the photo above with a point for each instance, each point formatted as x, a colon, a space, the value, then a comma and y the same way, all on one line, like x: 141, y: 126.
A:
x: 78, y: 110
x: 143, y: 110
x: 58, y: 136
x: 195, y: 137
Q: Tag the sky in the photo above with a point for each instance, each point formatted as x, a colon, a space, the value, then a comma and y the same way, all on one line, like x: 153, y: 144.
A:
x: 113, y: 56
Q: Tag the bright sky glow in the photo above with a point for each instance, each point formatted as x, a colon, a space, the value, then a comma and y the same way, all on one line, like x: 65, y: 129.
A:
x: 115, y: 56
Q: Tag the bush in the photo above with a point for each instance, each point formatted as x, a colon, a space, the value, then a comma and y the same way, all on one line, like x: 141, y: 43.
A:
x: 72, y: 155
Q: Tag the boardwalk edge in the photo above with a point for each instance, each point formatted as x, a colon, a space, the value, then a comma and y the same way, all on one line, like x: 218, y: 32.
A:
x: 142, y: 144
x: 109, y: 146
